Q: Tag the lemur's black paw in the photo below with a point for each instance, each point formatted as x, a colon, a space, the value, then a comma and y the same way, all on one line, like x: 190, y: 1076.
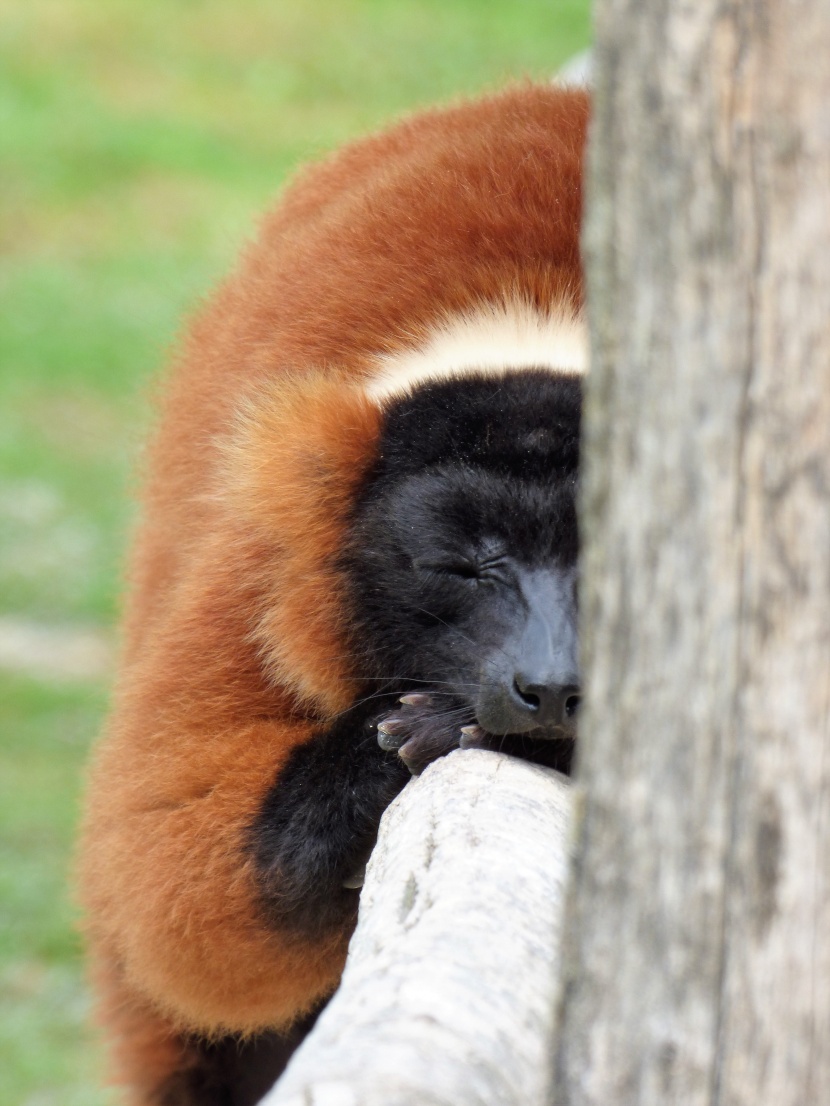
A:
x: 423, y: 728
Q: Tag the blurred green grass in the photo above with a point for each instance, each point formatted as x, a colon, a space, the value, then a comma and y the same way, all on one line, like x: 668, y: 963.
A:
x: 139, y: 139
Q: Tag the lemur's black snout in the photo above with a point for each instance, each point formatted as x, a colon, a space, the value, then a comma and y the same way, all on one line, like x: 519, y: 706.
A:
x: 532, y: 681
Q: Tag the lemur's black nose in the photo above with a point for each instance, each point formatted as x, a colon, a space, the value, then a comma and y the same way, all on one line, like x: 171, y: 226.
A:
x: 549, y: 704
x: 512, y: 703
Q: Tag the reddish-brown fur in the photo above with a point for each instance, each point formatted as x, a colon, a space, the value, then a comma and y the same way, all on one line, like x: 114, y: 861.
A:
x: 233, y: 649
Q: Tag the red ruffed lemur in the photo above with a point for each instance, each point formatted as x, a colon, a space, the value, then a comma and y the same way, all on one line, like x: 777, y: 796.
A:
x: 357, y: 551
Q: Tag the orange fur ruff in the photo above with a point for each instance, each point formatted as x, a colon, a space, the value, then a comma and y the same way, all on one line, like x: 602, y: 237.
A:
x: 233, y: 644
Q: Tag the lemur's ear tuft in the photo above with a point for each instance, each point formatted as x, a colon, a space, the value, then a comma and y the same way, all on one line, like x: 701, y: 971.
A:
x: 294, y: 466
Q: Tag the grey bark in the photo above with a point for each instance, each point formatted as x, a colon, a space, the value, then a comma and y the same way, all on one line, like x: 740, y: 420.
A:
x: 446, y: 999
x: 697, y: 935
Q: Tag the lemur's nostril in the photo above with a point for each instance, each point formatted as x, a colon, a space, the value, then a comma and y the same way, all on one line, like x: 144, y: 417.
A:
x: 572, y: 705
x: 530, y: 700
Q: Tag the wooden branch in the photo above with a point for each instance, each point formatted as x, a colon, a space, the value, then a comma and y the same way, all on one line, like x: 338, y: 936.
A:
x: 447, y: 995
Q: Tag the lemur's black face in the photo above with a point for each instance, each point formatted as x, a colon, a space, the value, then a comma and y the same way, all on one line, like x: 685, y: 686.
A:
x: 464, y: 547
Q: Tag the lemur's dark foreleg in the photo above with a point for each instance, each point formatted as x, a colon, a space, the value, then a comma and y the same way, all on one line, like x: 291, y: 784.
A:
x: 319, y: 822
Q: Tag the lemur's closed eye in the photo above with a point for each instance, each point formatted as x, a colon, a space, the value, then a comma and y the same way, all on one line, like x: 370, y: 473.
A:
x: 358, y: 551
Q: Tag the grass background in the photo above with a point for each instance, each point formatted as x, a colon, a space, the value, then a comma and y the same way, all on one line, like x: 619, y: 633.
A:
x: 138, y: 141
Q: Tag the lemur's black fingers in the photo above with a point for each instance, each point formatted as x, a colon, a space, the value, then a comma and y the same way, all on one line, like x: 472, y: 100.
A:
x: 418, y: 731
x: 472, y: 737
x: 411, y: 753
x: 416, y: 699
x: 423, y: 749
x: 392, y: 733
x: 356, y: 880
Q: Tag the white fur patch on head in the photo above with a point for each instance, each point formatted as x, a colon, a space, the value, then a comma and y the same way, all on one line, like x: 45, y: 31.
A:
x: 488, y: 339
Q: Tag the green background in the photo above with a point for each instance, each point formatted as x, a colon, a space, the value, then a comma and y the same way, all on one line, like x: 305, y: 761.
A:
x: 138, y: 141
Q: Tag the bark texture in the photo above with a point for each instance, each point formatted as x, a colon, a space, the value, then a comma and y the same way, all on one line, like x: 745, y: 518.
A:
x: 697, y: 935
x: 446, y: 999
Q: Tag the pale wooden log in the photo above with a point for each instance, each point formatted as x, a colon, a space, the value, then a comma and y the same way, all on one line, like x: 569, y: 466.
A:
x: 696, y: 945
x: 447, y: 995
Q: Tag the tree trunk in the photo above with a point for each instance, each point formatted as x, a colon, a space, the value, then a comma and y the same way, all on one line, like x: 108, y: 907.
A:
x: 446, y: 997
x: 697, y: 934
